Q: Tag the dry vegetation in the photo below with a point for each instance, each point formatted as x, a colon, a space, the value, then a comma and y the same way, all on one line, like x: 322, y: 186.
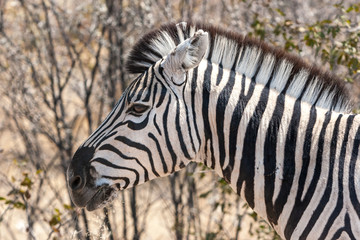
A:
x: 61, y: 71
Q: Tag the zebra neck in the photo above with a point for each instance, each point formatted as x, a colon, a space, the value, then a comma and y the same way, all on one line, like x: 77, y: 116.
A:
x: 273, y: 149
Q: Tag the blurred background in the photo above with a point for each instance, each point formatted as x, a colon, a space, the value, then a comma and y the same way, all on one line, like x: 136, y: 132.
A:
x: 61, y: 72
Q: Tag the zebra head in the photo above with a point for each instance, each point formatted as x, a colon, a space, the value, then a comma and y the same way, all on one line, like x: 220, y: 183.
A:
x: 147, y: 134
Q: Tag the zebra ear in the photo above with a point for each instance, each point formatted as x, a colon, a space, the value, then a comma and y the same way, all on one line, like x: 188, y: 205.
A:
x: 185, y: 56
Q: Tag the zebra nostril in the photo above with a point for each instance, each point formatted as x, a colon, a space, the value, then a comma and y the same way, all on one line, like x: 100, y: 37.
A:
x: 76, y: 183
x: 78, y: 170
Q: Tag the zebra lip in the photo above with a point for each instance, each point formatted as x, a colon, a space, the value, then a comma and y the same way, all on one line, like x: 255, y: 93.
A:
x: 101, y: 198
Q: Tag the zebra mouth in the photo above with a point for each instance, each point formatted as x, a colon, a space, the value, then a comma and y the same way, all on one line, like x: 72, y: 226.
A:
x: 101, y: 198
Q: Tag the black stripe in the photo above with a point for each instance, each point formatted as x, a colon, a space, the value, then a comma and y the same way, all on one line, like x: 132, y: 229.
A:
x: 163, y: 92
x: 134, y: 125
x: 219, y: 76
x: 179, y: 132
x: 346, y: 228
x: 221, y: 104
x: 100, y: 130
x: 352, y: 181
x: 120, y: 104
x: 144, y: 84
x: 125, y: 157
x: 247, y: 164
x: 99, y: 140
x: 205, y: 113
x: 301, y: 205
x: 177, y: 123
x: 193, y: 91
x: 134, y: 87
x: 210, y: 49
x: 341, y: 160
x: 166, y: 133
x: 289, y: 161
x: 125, y: 179
x: 270, y: 156
x: 166, y: 80
x: 165, y: 169
x: 149, y: 88
x: 111, y: 165
x: 235, y: 122
x: 317, y: 171
x: 107, y: 136
x: 188, y: 119
x: 156, y: 125
x: 111, y: 148
x: 141, y: 147
x: 155, y: 93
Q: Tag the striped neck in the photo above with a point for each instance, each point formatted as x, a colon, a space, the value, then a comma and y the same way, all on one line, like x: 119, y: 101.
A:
x: 272, y: 125
x: 274, y: 150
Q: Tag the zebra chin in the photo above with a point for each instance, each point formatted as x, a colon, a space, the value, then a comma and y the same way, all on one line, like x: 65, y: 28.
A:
x: 93, y: 198
x: 102, y: 197
x: 106, y: 193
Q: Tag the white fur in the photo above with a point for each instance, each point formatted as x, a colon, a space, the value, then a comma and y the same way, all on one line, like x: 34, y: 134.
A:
x: 298, y: 84
x: 281, y: 76
x: 102, y: 181
x: 312, y: 91
x: 180, y: 30
x: 325, y: 100
x: 250, y: 61
x: 163, y: 43
x: 266, y: 69
x: 192, y: 31
x: 225, y: 52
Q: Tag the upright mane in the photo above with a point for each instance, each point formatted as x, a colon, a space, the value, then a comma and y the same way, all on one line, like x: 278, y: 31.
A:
x: 259, y: 61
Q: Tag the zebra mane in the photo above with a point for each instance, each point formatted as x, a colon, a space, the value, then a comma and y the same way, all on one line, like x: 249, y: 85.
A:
x: 259, y: 61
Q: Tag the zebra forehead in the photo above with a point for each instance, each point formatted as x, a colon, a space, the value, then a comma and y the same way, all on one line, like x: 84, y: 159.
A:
x: 263, y: 63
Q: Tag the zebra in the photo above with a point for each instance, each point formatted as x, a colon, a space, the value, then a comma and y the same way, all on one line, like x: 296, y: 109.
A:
x: 278, y: 130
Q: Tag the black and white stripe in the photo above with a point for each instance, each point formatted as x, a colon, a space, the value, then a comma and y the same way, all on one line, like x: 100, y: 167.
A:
x: 278, y: 130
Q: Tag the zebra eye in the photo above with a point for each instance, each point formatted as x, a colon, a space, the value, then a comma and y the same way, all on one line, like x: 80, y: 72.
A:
x: 137, y: 109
